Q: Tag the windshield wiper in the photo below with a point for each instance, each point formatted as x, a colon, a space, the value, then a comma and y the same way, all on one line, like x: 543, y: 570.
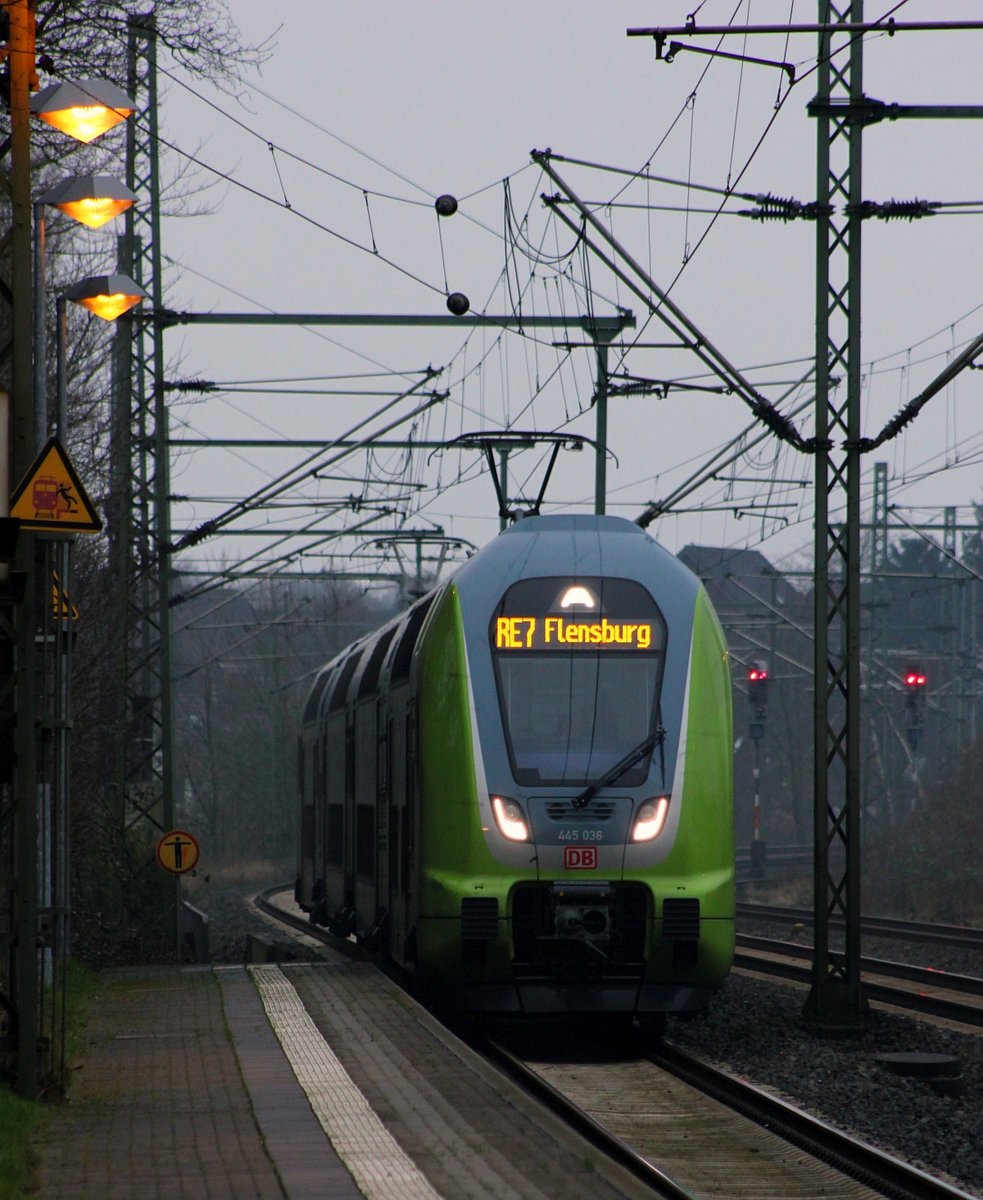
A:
x: 619, y: 768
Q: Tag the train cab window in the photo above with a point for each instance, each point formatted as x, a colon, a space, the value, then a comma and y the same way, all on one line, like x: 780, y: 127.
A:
x: 578, y: 666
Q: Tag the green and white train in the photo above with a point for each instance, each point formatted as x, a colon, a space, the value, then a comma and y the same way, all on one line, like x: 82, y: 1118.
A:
x: 521, y: 789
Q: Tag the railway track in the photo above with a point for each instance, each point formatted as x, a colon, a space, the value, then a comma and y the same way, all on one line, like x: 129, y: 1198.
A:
x: 962, y: 936
x: 684, y: 1127
x: 692, y: 1130
x: 919, y: 989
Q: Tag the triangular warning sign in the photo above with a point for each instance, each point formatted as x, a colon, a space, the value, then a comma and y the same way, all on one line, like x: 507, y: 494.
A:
x: 51, y: 495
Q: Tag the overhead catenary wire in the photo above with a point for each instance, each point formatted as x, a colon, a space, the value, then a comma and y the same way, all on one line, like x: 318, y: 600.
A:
x: 574, y: 413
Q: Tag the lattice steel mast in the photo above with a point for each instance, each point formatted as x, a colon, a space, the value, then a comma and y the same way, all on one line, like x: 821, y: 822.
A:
x: 835, y: 999
x: 139, y: 526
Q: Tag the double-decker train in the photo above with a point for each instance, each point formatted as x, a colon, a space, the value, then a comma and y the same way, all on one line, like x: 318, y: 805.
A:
x: 521, y: 789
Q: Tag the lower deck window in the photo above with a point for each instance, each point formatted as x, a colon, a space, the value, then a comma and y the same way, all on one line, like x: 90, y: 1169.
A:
x: 365, y: 841
x: 334, y: 854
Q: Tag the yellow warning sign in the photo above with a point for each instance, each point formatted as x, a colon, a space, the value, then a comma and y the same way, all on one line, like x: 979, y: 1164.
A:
x: 177, y: 851
x: 51, y: 495
x: 62, y: 607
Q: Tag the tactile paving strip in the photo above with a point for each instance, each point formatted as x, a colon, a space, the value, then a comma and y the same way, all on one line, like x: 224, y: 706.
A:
x: 378, y: 1164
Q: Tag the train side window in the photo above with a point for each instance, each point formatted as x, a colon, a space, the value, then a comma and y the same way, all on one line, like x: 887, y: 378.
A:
x: 339, y: 692
x: 317, y: 691
x: 335, y: 835
x: 370, y: 675
x: 403, y: 656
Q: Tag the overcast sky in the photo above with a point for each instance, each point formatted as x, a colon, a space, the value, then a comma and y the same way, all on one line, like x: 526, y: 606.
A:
x: 315, y: 193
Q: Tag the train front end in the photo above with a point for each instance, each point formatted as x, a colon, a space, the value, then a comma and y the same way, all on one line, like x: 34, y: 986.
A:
x: 576, y: 826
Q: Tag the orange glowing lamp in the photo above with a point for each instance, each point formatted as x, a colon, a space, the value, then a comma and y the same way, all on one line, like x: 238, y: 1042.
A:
x: 84, y: 110
x: 90, y: 199
x: 107, y: 296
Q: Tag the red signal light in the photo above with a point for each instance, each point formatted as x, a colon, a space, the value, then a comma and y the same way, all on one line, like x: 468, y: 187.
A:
x: 756, y: 674
x: 915, y: 679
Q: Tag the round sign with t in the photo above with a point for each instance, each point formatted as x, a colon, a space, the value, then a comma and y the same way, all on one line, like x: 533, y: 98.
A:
x: 177, y: 851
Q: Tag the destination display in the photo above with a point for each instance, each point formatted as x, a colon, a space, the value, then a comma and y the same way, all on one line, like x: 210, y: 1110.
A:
x: 560, y: 633
x: 586, y: 614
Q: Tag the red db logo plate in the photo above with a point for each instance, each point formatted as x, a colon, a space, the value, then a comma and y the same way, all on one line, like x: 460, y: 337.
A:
x: 580, y: 858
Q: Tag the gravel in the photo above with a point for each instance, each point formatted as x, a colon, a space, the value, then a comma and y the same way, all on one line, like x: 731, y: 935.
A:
x: 754, y: 1029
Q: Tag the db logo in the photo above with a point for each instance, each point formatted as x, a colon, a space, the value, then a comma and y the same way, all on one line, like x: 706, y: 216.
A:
x: 582, y: 858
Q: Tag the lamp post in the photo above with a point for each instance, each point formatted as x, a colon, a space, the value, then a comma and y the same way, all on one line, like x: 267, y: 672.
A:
x: 85, y: 111
x: 57, y: 626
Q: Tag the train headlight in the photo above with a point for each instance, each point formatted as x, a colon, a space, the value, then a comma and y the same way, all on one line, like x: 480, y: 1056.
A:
x: 510, y: 818
x: 649, y: 819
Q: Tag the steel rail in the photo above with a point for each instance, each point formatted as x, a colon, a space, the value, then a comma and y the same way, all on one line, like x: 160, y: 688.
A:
x: 933, y: 1005
x: 583, y: 1122
x: 858, y: 1159
x: 909, y: 931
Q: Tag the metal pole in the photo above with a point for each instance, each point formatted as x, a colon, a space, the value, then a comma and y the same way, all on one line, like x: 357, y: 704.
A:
x: 25, y: 962
x: 601, y: 436
x: 61, y: 407
x: 40, y: 329
x: 503, y: 455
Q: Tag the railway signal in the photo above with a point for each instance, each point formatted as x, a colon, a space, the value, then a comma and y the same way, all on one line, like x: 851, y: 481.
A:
x: 915, y: 682
x: 757, y: 691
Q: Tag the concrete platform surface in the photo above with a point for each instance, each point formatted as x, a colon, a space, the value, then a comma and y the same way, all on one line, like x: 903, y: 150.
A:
x: 308, y: 1081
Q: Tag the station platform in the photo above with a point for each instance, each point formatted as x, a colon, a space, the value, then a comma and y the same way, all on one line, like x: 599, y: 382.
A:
x: 318, y: 1080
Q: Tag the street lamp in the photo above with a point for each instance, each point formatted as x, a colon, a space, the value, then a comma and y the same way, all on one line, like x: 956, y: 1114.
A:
x: 92, y: 200
x: 84, y: 110
x: 108, y: 297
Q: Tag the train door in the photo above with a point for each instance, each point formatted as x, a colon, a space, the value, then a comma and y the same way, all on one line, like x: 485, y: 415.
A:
x: 333, y: 811
x: 349, y: 820
x: 382, y: 812
x: 363, y: 812
x: 315, y: 772
x: 396, y: 753
x: 310, y: 783
x: 305, y: 871
x: 410, y: 838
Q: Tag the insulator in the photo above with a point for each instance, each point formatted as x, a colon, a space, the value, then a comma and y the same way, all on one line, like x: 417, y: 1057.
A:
x: 896, y: 210
x: 777, y: 208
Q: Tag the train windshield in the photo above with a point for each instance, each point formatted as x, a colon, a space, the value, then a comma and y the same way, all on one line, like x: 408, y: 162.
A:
x: 578, y: 664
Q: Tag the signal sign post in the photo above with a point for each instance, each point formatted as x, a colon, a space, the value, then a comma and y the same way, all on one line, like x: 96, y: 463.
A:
x: 757, y: 692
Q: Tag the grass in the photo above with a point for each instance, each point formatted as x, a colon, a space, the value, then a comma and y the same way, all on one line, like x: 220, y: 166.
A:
x: 82, y: 987
x: 22, y: 1121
